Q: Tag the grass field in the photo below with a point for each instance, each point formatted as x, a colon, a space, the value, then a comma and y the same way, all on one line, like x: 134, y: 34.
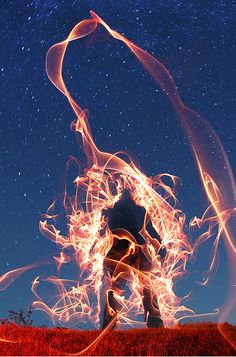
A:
x: 190, y: 339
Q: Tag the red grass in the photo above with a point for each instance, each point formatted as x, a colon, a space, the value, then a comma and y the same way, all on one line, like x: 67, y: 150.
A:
x: 189, y: 339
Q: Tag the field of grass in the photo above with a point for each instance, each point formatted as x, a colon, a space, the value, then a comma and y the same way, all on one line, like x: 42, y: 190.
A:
x: 190, y: 339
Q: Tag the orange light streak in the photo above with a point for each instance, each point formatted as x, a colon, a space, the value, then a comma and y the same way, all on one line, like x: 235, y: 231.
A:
x: 101, y: 186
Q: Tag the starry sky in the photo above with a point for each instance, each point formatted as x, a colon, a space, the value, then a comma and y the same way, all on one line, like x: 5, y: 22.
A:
x: 193, y: 39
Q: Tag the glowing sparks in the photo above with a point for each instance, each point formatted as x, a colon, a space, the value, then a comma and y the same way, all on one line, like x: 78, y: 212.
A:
x: 89, y: 240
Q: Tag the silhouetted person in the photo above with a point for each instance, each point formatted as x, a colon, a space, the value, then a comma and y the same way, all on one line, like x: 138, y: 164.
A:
x: 125, y: 222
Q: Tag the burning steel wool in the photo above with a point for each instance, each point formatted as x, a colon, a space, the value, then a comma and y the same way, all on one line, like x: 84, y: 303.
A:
x: 118, y: 286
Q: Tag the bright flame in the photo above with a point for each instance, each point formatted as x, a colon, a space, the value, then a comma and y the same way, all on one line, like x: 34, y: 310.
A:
x: 89, y: 239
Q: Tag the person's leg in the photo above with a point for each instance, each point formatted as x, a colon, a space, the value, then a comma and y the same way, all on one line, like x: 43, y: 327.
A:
x: 116, y: 267
x: 151, y: 309
x: 110, y: 311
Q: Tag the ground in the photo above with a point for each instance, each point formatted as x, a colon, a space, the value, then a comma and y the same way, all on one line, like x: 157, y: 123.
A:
x: 190, y: 339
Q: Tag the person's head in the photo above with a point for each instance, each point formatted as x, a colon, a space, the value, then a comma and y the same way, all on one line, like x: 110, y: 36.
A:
x: 127, y: 215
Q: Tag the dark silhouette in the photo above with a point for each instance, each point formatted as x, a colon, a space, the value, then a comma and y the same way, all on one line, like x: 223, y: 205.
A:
x: 125, y: 221
x: 19, y: 317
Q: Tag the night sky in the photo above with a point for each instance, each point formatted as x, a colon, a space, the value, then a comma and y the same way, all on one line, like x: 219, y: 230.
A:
x: 193, y: 39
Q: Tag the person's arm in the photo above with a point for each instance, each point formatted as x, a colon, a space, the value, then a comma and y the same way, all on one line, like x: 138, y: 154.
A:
x: 148, y: 238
